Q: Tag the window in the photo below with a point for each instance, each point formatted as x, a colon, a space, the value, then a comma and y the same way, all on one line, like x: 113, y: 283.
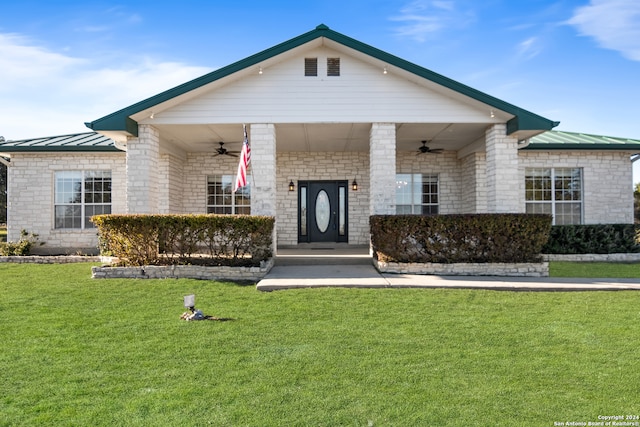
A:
x: 79, y: 195
x: 310, y: 67
x: 417, y: 194
x: 333, y: 67
x: 555, y: 191
x: 222, y: 200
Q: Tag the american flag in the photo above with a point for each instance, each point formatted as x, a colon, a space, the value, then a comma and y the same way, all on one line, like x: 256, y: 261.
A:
x: 245, y: 158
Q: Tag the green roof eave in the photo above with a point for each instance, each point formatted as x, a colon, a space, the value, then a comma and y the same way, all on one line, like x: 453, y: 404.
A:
x: 121, y: 120
x: 76, y: 149
x: 581, y: 147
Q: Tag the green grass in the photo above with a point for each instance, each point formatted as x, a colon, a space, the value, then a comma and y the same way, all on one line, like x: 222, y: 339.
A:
x: 77, y: 351
x: 594, y: 269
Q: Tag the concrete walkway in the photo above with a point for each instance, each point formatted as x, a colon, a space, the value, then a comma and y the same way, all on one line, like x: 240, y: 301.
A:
x: 360, y: 275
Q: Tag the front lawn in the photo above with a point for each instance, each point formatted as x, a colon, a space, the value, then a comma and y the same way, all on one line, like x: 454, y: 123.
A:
x: 77, y: 351
x: 594, y: 269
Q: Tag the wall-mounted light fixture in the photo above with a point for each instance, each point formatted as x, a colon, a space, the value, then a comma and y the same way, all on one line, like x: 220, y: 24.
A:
x: 385, y: 70
x: 291, y: 186
x: 354, y: 185
x: 260, y: 70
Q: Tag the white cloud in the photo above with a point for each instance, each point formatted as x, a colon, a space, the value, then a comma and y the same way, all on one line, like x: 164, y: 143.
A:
x: 422, y: 18
x: 49, y: 93
x: 529, y: 48
x: 614, y: 24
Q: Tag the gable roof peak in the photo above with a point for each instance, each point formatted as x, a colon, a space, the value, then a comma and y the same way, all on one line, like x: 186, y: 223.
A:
x: 121, y: 121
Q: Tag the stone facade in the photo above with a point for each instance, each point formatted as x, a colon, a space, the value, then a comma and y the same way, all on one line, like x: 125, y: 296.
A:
x: 467, y: 269
x: 31, y: 186
x: 249, y: 274
x: 607, y: 181
x: 263, y: 169
x: 382, y: 173
x: 502, y: 171
x: 296, y: 166
x: 144, y: 179
x: 143, y: 158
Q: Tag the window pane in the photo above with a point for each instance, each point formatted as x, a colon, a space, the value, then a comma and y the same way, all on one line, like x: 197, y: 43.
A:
x: 568, y: 213
x: 303, y: 210
x: 68, y: 216
x: 538, y: 208
x: 417, y: 194
x: 91, y: 210
x: 222, y: 200
x: 342, y: 204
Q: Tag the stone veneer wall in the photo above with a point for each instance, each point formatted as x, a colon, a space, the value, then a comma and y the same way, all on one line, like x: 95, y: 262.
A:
x: 474, y: 183
x: 195, y: 170
x: 184, y: 272
x: 171, y: 187
x: 467, y: 269
x: 31, y: 186
x: 502, y: 171
x: 446, y: 166
x: 607, y: 181
x: 143, y: 158
x: 294, y: 166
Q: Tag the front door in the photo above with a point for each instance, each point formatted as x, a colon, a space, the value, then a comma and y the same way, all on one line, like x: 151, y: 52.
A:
x: 322, y: 211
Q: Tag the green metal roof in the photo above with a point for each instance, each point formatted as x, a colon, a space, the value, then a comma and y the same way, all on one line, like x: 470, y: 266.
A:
x: 121, y: 121
x: 95, y: 142
x: 559, y: 140
x: 88, y: 141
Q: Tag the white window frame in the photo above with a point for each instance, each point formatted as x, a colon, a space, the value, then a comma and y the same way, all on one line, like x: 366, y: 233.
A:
x: 226, y: 202
x: 411, y: 199
x: 66, y: 194
x: 535, y: 201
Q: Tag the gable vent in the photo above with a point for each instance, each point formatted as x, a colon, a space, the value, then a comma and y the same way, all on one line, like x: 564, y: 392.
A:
x: 311, y: 67
x: 333, y: 66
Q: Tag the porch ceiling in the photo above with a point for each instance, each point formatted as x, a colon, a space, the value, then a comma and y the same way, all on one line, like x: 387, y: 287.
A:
x: 310, y: 137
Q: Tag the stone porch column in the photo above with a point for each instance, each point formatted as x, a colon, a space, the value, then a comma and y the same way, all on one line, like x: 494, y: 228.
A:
x: 143, y: 154
x: 502, y: 171
x: 263, y: 169
x: 382, y: 169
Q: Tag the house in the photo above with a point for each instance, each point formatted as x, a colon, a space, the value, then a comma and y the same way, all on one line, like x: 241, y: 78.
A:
x: 339, y: 131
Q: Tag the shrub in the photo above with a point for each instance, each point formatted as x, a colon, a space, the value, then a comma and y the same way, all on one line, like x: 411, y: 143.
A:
x: 593, y: 239
x: 20, y: 248
x: 186, y: 239
x: 459, y: 238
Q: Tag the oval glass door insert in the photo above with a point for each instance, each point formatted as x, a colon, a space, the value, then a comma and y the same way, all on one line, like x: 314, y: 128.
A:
x: 323, y: 210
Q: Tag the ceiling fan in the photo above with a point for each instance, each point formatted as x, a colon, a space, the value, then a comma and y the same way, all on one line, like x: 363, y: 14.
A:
x: 224, y: 152
x: 424, y: 149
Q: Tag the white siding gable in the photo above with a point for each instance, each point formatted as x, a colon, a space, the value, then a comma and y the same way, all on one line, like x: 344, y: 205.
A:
x: 362, y: 93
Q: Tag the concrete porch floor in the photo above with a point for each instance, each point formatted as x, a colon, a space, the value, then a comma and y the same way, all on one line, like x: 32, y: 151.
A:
x: 345, y: 266
x: 323, y: 254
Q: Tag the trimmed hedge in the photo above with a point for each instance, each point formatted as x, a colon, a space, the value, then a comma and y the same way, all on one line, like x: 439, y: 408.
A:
x: 231, y: 240
x: 593, y: 239
x: 473, y: 238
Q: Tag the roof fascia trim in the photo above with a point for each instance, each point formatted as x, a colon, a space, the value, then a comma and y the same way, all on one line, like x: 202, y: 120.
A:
x: 580, y: 147
x: 121, y: 121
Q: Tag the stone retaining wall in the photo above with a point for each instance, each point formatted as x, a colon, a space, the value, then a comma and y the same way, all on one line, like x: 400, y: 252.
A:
x: 252, y: 274
x: 466, y: 269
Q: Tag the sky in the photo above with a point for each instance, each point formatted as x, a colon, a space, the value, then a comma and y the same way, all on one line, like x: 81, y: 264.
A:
x: 65, y: 63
